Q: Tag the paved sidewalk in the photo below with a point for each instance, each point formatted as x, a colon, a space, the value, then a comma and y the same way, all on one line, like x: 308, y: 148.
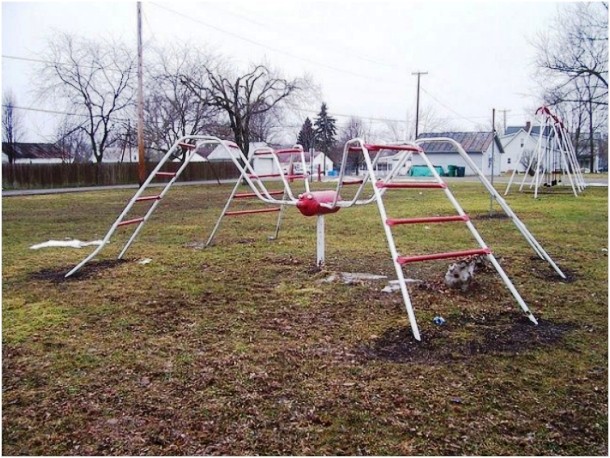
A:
x: 35, y: 192
x: 591, y: 180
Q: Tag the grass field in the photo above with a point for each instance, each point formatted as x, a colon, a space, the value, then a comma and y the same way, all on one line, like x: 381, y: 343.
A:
x: 242, y: 348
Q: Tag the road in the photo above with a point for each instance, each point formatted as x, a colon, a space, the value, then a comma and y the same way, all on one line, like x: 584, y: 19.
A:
x: 591, y: 180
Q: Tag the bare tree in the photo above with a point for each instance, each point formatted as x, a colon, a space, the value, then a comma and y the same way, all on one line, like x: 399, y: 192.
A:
x: 573, y: 60
x: 355, y: 127
x: 242, y: 98
x: 10, y: 125
x: 92, y: 78
x: 72, y: 142
x: 172, y: 110
x: 578, y: 43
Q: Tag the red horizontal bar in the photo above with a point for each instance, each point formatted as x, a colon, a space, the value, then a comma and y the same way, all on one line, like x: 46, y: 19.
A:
x: 279, y: 151
x: 429, y: 219
x: 187, y: 145
x: 142, y: 199
x: 130, y: 221
x: 413, y: 149
x: 287, y: 151
x: 275, y: 175
x: 253, y: 194
x: 248, y: 212
x: 352, y: 182
x: 166, y: 174
x: 411, y: 185
x: 430, y: 257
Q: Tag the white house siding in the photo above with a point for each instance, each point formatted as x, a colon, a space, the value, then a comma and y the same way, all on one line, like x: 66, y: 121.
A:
x: 319, y: 160
x: 514, y: 145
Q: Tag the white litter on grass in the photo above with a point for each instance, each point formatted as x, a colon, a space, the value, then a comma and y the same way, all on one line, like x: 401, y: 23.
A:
x: 64, y: 244
x: 394, y: 285
x: 144, y: 261
x: 351, y: 278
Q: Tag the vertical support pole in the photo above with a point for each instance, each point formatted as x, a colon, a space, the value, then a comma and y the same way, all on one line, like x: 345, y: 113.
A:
x: 320, y: 241
x: 141, y: 162
x: 493, y: 158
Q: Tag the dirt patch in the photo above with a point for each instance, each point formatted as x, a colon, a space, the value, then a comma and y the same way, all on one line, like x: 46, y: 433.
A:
x: 443, y: 344
x: 89, y: 270
x: 547, y: 273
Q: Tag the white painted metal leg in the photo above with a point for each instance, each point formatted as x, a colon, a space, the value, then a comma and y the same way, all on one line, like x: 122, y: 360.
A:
x: 320, y: 241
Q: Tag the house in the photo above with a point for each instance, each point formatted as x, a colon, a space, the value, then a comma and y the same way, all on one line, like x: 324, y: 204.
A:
x: 36, y: 153
x: 518, y: 146
x: 478, y: 146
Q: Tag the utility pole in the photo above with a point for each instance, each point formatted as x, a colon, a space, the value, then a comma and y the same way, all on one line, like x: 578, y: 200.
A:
x: 504, y: 119
x: 493, y: 159
x: 141, y: 163
x: 419, y: 74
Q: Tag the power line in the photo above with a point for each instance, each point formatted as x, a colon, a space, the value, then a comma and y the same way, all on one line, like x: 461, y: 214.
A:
x: 277, y: 50
x: 272, y: 27
x: 61, y: 64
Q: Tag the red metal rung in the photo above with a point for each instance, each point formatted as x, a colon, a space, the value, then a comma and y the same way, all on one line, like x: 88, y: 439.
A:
x: 287, y: 151
x: 187, y: 145
x: 142, y: 199
x: 343, y: 183
x: 165, y: 174
x: 431, y: 257
x: 429, y: 219
x: 253, y: 194
x: 411, y: 185
x: 275, y: 175
x: 248, y: 212
x: 413, y: 149
x: 130, y: 221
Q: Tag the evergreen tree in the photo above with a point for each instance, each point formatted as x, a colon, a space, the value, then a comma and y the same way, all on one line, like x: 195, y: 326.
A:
x: 325, y: 130
x: 306, y: 135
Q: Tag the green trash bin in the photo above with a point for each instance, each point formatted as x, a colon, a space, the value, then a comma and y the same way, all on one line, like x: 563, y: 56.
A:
x: 461, y: 171
x: 451, y: 170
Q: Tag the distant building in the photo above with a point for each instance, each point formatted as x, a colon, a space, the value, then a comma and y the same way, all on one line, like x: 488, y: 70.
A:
x: 478, y: 146
x: 35, y: 153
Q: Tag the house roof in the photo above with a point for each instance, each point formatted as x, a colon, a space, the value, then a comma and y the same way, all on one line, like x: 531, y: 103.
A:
x: 472, y: 142
x: 535, y: 130
x: 36, y: 151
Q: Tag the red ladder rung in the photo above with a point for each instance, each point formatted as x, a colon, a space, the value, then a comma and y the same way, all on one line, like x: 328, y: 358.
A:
x: 452, y: 254
x: 287, y: 151
x: 253, y: 194
x: 344, y: 183
x: 142, y: 199
x: 130, y: 221
x: 165, y: 174
x: 427, y: 219
x: 411, y: 185
x: 276, y: 175
x: 369, y: 147
x: 187, y: 145
x: 249, y: 212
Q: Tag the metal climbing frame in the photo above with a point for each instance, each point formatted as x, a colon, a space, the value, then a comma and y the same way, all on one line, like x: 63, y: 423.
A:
x: 554, y: 151
x: 404, y: 150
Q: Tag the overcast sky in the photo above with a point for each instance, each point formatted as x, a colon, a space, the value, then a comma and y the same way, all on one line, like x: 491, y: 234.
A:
x: 478, y: 55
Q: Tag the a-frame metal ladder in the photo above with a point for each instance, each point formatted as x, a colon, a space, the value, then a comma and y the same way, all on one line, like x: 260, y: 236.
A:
x: 390, y: 183
x: 188, y: 143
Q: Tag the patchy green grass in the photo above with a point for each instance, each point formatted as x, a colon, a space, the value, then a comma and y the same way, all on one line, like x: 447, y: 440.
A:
x: 240, y: 349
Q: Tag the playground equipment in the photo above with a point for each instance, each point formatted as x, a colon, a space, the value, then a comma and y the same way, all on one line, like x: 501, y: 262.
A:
x: 321, y: 203
x: 554, y: 158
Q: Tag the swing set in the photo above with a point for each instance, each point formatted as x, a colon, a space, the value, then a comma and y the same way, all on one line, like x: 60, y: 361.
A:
x: 554, y: 158
x: 365, y: 190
